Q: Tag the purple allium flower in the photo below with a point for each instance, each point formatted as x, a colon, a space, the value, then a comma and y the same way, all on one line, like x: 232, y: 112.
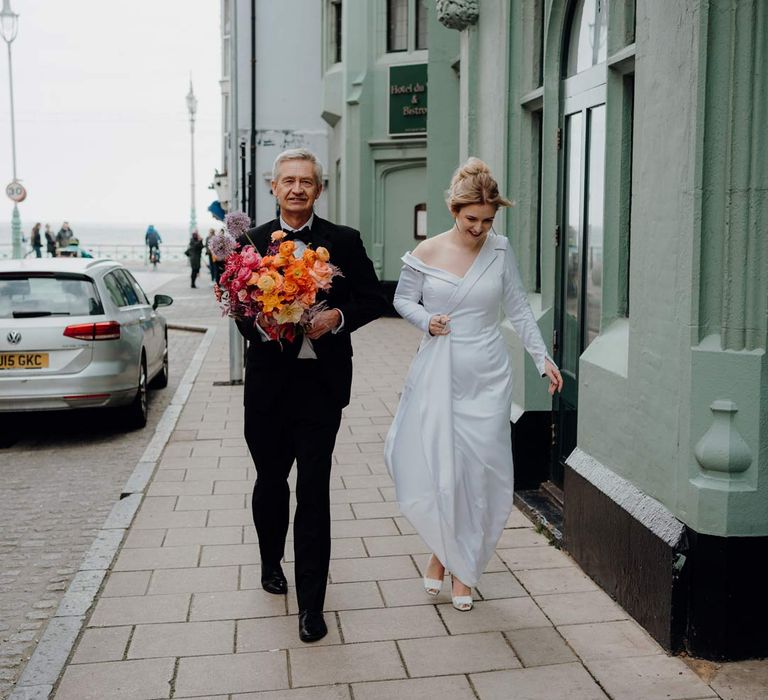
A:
x: 237, y: 223
x: 222, y: 245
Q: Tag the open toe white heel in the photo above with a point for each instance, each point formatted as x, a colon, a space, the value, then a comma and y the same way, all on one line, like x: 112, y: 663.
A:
x: 462, y: 603
x: 432, y: 586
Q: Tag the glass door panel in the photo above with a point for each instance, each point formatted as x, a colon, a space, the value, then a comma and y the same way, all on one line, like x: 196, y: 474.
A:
x: 573, y: 236
x: 594, y: 223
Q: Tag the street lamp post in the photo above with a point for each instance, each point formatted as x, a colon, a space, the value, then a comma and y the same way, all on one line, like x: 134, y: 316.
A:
x: 9, y: 26
x: 192, y: 107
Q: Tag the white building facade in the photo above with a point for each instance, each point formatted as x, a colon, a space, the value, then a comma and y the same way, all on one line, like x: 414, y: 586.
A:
x: 284, y: 110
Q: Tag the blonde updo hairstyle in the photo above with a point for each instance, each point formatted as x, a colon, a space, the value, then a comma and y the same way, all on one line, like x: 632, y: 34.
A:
x: 472, y: 183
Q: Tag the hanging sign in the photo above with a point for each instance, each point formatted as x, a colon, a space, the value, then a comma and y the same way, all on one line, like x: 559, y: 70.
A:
x: 16, y: 192
x: 408, y: 100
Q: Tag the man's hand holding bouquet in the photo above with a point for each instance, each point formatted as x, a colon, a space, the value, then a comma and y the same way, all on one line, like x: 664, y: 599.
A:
x: 278, y: 290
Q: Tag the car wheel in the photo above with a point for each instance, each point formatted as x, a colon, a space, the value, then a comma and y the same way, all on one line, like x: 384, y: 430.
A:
x: 136, y: 412
x: 161, y: 378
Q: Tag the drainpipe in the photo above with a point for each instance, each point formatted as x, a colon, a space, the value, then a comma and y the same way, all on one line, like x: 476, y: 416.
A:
x: 254, y: 178
x: 236, y: 341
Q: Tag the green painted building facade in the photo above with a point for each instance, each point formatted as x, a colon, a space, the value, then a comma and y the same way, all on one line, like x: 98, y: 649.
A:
x: 631, y: 134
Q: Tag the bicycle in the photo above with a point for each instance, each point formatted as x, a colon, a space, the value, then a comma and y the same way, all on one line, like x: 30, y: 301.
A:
x: 154, y: 256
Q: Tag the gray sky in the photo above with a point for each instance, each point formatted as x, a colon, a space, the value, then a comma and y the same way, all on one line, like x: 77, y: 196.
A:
x: 102, y: 129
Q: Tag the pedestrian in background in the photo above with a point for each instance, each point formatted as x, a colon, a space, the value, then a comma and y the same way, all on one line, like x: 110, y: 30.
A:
x: 194, y: 252
x: 64, y: 236
x: 50, y: 241
x: 36, y: 240
x: 213, y: 262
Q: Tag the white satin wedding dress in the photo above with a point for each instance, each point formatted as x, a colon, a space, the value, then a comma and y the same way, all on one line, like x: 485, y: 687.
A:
x: 449, y: 448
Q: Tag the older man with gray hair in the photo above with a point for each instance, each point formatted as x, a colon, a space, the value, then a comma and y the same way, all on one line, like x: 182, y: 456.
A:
x: 295, y: 392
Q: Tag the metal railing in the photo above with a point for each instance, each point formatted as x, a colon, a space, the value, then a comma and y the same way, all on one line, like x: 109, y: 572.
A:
x: 123, y: 253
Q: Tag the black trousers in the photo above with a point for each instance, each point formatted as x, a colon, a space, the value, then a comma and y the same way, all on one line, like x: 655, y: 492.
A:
x: 301, y: 426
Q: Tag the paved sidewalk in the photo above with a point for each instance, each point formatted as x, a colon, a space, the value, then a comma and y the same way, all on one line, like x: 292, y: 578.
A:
x: 182, y: 613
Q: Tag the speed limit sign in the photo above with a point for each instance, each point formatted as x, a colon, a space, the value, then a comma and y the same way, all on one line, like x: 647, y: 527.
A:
x: 16, y: 192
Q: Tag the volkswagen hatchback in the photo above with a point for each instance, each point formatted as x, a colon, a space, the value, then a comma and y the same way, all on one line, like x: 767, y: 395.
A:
x: 79, y: 333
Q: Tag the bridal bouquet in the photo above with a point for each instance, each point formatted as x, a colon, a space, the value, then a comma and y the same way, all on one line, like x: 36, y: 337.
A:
x: 278, y: 289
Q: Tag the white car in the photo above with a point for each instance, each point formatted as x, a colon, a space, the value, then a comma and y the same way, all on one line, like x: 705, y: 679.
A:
x: 78, y: 333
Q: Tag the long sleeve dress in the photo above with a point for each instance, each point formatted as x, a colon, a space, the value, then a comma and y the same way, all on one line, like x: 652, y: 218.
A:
x: 449, y: 447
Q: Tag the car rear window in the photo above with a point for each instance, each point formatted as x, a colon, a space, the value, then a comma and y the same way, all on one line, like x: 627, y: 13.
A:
x: 23, y: 296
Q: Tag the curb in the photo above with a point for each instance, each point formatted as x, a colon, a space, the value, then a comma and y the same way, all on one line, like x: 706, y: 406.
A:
x: 57, y: 641
x: 191, y: 327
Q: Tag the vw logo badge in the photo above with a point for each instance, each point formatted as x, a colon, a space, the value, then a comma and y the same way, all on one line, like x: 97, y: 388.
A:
x: 14, y: 337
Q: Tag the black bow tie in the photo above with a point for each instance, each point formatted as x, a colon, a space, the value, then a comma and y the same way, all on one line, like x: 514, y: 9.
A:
x: 304, y: 234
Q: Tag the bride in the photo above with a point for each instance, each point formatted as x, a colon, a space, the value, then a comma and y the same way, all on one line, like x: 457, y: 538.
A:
x: 449, y: 449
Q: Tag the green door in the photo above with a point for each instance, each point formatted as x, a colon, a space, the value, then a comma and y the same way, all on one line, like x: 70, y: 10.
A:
x: 403, y: 204
x: 578, y: 302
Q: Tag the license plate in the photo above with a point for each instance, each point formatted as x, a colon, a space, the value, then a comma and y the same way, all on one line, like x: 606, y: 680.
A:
x: 23, y: 360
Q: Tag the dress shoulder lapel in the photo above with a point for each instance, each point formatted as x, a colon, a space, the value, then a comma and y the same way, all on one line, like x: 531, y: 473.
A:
x: 487, y: 255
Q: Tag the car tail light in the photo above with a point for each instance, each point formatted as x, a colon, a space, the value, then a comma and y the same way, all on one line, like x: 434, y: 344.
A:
x: 105, y: 330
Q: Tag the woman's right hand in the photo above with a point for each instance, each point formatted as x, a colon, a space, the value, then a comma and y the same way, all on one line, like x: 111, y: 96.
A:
x: 438, y: 325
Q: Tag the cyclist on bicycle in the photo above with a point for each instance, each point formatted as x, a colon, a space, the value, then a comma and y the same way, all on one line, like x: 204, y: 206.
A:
x: 153, y: 241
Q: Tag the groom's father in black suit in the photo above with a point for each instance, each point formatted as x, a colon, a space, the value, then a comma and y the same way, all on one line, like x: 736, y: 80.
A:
x: 294, y: 392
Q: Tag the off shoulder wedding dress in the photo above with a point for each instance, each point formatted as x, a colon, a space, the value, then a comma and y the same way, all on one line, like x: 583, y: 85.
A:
x: 449, y: 447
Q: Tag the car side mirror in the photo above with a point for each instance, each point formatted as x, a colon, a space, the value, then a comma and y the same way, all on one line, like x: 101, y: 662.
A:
x: 162, y: 300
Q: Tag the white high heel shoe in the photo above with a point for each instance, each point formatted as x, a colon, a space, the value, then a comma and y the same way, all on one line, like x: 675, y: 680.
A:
x: 462, y: 603
x: 432, y: 586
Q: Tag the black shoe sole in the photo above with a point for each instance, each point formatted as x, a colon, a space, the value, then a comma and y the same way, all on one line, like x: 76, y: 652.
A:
x: 314, y: 638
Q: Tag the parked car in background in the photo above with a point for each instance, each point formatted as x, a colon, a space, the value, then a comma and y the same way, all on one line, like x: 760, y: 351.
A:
x: 77, y: 333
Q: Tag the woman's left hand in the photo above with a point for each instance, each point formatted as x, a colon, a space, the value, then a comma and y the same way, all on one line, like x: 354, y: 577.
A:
x: 555, y: 378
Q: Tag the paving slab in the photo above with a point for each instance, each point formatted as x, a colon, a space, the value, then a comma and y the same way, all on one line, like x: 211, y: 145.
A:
x: 232, y: 673
x: 182, y: 639
x: 609, y: 640
x: 540, y: 646
x: 461, y: 653
x: 651, y: 678
x: 117, y: 680
x: 390, y: 623
x: 441, y: 688
x: 565, y: 681
x: 348, y: 663
x: 102, y: 644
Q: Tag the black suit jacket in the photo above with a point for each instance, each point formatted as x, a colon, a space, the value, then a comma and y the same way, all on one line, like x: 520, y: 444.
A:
x: 357, y: 294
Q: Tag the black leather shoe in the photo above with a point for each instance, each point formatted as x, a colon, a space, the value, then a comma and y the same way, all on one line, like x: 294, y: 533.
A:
x: 273, y: 579
x: 311, y: 625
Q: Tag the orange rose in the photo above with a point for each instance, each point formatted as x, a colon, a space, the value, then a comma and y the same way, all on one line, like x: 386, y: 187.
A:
x: 308, y: 298
x: 322, y: 273
x: 280, y: 260
x: 277, y: 236
x: 309, y: 257
x: 286, y: 248
x: 323, y: 254
x: 290, y: 288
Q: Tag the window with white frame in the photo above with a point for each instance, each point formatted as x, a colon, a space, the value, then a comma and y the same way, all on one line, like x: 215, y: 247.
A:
x: 334, y: 30
x: 406, y: 25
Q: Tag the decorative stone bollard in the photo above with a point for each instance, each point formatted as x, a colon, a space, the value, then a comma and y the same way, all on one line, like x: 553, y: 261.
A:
x: 722, y: 449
